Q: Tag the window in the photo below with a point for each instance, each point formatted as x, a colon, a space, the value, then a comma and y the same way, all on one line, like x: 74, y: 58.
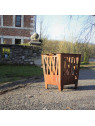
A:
x: 18, y: 21
x: 17, y: 41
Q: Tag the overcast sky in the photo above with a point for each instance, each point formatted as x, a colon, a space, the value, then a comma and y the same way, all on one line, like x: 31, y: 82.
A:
x: 59, y: 27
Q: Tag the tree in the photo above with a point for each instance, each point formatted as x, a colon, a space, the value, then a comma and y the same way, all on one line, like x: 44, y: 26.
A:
x: 86, y: 56
x: 87, y: 32
x: 42, y: 27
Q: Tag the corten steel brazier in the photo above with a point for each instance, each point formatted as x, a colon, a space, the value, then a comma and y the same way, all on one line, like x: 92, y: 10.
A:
x: 61, y: 69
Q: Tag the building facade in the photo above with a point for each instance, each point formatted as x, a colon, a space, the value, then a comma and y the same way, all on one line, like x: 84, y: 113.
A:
x: 16, y: 29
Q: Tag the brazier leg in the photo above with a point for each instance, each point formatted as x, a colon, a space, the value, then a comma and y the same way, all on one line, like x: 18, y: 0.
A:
x: 60, y: 88
x: 76, y: 85
x: 46, y: 86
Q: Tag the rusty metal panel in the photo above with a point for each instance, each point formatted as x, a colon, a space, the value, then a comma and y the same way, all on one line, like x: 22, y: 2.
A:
x: 61, y: 69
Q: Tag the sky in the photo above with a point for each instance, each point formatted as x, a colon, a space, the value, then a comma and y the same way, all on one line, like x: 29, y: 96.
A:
x: 62, y: 27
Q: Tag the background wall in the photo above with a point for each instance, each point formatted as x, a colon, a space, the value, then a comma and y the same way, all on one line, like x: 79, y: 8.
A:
x: 18, y: 54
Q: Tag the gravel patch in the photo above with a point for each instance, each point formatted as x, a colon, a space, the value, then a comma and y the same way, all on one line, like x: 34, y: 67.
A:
x: 34, y: 96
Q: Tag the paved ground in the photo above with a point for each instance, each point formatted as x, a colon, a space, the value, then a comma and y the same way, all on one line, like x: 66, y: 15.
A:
x: 35, y: 97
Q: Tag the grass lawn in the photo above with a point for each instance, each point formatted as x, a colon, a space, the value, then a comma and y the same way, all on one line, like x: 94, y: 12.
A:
x: 9, y: 73
x: 90, y: 65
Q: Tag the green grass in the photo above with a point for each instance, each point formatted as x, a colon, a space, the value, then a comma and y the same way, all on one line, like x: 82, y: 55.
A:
x: 90, y: 65
x: 9, y: 73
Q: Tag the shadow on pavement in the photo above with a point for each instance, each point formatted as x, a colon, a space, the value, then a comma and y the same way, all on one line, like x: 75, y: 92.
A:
x: 87, y: 87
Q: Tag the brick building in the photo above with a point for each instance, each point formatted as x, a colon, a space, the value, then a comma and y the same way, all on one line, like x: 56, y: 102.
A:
x: 16, y: 29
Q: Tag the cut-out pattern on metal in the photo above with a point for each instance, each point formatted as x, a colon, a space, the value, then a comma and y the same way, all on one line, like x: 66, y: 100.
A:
x: 70, y: 65
x: 61, y: 69
x: 50, y: 65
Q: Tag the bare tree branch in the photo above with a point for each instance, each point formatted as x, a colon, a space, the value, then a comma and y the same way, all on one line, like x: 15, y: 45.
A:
x: 87, y: 31
x: 43, y: 27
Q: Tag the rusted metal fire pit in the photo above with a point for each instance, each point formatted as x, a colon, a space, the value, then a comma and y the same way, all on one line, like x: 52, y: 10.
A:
x: 61, y: 69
